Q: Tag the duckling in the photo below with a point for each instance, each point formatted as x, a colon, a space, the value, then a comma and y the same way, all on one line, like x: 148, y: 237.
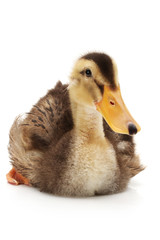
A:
x: 77, y: 140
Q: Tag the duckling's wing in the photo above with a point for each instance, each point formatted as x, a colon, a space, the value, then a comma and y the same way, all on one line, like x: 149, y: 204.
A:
x: 116, y: 138
x: 124, y: 147
x: 48, y: 120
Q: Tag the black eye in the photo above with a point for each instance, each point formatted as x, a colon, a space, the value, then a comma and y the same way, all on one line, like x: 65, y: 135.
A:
x: 88, y: 73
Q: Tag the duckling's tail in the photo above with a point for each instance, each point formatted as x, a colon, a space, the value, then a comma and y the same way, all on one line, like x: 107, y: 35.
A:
x: 17, y: 153
x: 19, y: 143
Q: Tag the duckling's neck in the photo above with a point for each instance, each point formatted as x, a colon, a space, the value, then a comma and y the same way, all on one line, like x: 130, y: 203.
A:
x: 87, y: 121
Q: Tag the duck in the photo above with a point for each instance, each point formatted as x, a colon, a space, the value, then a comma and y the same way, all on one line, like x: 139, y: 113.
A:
x: 77, y: 140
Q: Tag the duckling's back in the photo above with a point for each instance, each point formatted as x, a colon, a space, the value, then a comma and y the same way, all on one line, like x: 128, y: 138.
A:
x: 35, y: 133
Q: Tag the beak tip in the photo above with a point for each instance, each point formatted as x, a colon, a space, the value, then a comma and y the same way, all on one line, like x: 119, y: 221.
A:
x: 132, y: 129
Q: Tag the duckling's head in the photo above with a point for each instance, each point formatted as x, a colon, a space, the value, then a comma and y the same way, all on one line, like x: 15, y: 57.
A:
x: 94, y: 84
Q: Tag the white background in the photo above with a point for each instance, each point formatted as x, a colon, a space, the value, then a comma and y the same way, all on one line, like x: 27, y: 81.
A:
x: 39, y: 42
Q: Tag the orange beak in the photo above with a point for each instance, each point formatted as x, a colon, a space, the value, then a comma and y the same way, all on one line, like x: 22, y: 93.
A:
x: 115, y: 112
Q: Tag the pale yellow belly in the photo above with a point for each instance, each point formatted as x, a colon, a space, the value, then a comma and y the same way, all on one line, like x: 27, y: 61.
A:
x: 92, y: 167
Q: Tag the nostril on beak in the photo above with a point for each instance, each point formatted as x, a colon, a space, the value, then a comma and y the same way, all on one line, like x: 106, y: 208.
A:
x: 132, y: 129
x: 112, y: 102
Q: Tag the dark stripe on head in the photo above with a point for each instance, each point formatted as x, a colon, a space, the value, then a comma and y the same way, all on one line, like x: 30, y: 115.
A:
x: 105, y: 65
x: 101, y: 87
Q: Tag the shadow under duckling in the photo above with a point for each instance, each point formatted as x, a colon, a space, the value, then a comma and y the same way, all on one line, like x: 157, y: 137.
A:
x: 76, y: 141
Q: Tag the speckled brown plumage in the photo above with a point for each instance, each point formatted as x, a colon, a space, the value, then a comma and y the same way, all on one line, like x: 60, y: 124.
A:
x: 35, y: 141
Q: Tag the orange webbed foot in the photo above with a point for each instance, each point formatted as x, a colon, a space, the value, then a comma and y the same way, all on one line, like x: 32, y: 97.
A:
x: 15, y: 178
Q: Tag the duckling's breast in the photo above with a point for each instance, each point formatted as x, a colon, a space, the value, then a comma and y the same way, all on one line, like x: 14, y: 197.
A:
x: 92, y: 167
